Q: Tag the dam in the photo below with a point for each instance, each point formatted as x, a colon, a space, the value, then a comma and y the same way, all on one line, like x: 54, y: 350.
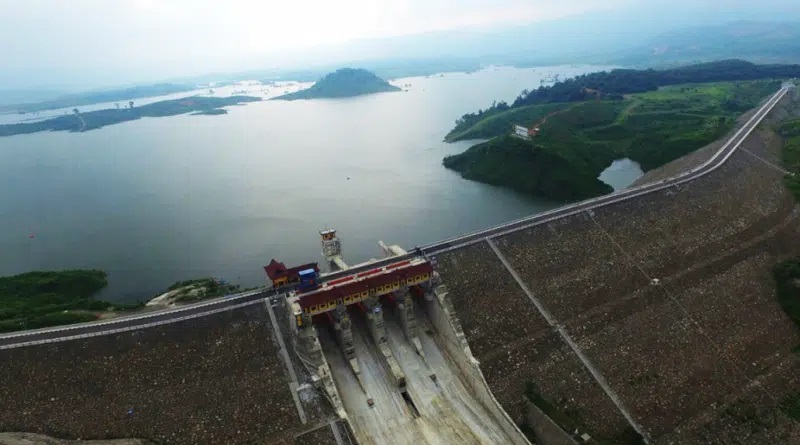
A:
x: 646, y: 316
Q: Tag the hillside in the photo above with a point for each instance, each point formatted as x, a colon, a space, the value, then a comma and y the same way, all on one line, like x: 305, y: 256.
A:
x: 345, y: 82
x: 579, y: 140
x: 515, y: 163
x: 41, y: 299
x: 765, y: 42
x: 617, y: 83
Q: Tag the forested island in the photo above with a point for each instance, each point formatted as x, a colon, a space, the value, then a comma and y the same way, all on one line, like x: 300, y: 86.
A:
x: 78, y: 121
x: 41, y: 299
x: 346, y: 82
x: 649, y: 116
x: 52, y: 298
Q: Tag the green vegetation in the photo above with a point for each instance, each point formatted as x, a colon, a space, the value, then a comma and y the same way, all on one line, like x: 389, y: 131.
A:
x: 96, y: 97
x: 616, y: 83
x: 41, y: 299
x: 500, y: 123
x: 790, y: 131
x: 787, y: 287
x: 577, y: 141
x: 346, y: 82
x: 570, y: 421
x: 100, y: 118
x: 791, y: 405
x: 200, y: 289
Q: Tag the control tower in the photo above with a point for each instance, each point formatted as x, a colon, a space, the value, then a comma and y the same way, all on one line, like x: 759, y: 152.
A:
x: 332, y: 250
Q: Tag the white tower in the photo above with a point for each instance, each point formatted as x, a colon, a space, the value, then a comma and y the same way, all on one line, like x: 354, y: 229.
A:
x: 332, y: 249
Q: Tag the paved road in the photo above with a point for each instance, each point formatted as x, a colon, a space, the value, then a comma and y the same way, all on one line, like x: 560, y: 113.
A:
x: 216, y: 305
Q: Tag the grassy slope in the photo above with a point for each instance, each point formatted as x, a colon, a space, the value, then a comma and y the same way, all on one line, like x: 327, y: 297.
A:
x: 501, y: 123
x: 651, y: 128
x: 40, y: 299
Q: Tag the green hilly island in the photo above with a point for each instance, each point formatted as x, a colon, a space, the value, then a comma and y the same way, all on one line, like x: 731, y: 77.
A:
x: 651, y: 117
x: 345, y: 82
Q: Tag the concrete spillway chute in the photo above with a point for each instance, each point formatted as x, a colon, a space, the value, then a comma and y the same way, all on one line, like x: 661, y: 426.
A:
x: 378, y: 332
x: 344, y: 336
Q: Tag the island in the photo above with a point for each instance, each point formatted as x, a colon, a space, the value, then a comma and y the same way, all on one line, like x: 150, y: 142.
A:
x: 51, y: 298
x: 345, y: 82
x: 96, y: 97
x: 553, y: 142
x: 212, y: 112
x: 78, y: 121
x: 42, y: 299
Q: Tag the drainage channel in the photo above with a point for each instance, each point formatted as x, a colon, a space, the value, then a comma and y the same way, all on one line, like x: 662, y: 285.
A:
x: 410, y: 403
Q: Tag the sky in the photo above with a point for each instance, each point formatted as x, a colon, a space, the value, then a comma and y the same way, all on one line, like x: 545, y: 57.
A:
x: 83, y: 43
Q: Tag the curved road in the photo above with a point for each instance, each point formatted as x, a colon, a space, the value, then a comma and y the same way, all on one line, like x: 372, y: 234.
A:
x: 147, y: 319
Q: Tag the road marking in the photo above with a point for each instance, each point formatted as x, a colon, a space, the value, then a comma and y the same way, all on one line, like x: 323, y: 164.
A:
x: 128, y: 328
x: 293, y: 385
x: 477, y: 236
x: 133, y: 317
x: 598, y: 377
x: 624, y: 195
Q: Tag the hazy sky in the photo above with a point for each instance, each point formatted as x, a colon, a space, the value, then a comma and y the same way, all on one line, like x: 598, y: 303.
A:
x: 101, y: 42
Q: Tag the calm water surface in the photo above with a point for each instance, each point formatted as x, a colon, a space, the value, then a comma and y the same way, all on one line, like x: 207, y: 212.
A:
x: 621, y: 173
x: 164, y: 199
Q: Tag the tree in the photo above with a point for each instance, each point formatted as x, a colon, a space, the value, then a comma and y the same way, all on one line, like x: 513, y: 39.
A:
x: 130, y: 104
x: 75, y: 110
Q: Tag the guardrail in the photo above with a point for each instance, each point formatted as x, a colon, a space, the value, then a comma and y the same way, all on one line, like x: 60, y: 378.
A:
x: 726, y: 151
x: 622, y: 194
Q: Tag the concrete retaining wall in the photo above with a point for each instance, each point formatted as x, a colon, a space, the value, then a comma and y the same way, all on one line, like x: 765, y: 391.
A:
x: 451, y: 339
x: 546, y: 430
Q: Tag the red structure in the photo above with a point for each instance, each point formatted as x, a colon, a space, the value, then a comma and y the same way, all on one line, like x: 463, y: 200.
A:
x: 280, y: 275
x: 375, y: 282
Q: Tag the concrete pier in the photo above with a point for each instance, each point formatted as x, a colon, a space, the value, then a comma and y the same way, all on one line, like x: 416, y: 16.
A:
x: 408, y: 320
x: 309, y: 350
x: 378, y: 332
x: 344, y: 336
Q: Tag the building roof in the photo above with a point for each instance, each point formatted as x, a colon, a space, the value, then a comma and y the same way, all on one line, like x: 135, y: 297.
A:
x: 276, y: 269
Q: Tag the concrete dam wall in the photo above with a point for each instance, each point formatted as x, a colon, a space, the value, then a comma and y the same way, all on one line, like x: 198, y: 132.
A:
x: 670, y: 297
x: 216, y: 379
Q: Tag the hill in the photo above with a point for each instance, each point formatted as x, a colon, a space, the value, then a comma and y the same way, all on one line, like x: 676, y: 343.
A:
x: 764, y: 42
x: 615, y: 84
x: 577, y: 141
x: 345, y: 82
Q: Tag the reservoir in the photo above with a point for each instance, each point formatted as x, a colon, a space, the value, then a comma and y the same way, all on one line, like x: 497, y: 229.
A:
x: 621, y: 174
x: 159, y: 200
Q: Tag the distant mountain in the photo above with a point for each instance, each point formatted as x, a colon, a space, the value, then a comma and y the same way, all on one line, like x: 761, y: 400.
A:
x: 345, y: 82
x: 762, y: 42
